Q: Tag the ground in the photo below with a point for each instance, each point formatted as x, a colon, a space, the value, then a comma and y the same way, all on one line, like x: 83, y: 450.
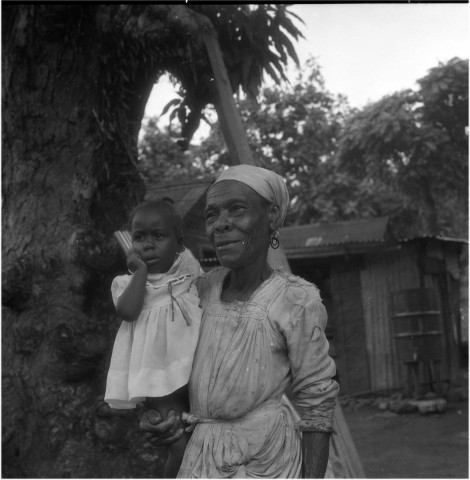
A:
x: 412, y: 445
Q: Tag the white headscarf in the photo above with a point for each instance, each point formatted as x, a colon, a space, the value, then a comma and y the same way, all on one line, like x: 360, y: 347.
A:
x: 265, y: 183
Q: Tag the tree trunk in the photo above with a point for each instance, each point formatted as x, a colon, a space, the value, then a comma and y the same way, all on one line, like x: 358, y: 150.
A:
x: 69, y: 180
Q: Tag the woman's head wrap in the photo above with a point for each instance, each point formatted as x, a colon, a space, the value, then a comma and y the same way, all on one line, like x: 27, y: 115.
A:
x: 265, y: 183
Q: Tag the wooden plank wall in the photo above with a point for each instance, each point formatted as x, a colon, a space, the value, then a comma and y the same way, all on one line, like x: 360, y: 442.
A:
x: 463, y: 293
x: 385, y: 272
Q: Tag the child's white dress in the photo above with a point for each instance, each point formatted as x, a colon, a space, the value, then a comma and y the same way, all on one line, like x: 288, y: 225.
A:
x: 152, y: 356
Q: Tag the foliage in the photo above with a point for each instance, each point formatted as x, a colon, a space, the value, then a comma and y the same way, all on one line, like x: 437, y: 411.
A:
x: 291, y: 129
x: 416, y: 143
x: 404, y: 156
x: 253, y: 38
x: 161, y: 158
x: 294, y: 129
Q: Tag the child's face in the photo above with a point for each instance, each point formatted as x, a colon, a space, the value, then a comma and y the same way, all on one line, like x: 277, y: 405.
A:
x: 154, y: 239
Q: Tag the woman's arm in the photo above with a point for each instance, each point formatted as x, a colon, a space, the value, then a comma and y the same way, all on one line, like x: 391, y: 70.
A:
x: 315, y: 452
x: 313, y: 387
x: 313, y: 370
x: 129, y: 304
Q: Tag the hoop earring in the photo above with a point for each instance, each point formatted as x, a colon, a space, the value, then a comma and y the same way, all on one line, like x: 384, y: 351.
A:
x: 275, y: 240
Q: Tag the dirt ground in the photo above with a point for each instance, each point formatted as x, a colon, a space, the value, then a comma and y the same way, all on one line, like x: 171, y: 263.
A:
x: 413, y: 445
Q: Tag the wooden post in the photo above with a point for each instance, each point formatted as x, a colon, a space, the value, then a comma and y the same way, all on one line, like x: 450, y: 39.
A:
x: 229, y: 117
x: 347, y: 464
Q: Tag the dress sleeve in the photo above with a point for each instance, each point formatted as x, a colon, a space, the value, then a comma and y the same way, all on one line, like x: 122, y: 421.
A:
x: 118, y: 285
x: 190, y: 264
x: 207, y: 282
x: 202, y: 285
x: 312, y: 368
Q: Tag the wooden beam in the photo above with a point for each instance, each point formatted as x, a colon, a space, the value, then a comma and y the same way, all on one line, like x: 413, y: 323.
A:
x: 229, y: 117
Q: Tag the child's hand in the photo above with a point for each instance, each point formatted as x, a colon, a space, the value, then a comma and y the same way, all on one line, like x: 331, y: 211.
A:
x: 134, y: 262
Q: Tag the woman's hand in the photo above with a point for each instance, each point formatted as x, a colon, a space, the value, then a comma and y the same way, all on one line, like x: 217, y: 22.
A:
x: 161, y: 432
x: 134, y: 262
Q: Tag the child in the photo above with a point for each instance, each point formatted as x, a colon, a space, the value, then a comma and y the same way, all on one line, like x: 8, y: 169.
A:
x: 154, y: 347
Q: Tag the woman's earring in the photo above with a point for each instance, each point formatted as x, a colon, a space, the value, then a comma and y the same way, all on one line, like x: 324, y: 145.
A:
x: 275, y: 239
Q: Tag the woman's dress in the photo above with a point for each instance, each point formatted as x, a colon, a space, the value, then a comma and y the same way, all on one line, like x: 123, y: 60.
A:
x: 248, y: 353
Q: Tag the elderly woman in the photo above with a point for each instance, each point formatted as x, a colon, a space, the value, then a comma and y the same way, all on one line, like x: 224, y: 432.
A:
x: 262, y: 332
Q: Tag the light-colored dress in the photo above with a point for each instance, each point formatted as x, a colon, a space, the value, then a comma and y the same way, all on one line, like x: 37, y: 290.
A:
x: 152, y: 357
x: 247, y: 355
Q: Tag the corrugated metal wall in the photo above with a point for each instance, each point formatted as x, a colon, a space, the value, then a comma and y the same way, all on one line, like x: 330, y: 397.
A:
x: 385, y: 272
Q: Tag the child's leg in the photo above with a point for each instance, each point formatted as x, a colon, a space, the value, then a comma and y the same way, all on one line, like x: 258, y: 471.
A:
x: 177, y: 401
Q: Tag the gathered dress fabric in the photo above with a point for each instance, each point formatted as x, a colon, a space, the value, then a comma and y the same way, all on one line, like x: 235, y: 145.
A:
x: 152, y: 356
x: 248, y: 353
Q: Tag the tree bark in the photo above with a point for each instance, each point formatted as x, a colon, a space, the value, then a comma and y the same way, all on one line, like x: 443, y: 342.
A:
x: 69, y: 180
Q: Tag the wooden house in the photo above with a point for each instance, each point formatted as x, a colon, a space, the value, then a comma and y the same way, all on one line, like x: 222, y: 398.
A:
x: 362, y: 272
x: 360, y: 268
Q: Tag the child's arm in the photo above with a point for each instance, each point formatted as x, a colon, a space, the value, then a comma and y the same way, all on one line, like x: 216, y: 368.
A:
x: 130, y: 302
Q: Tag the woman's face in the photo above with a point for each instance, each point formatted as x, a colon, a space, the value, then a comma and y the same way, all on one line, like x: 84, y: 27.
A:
x: 238, y: 223
x: 154, y: 239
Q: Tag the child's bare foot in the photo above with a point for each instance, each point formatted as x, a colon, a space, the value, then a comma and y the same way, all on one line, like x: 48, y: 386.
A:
x: 161, y: 432
x: 150, y: 418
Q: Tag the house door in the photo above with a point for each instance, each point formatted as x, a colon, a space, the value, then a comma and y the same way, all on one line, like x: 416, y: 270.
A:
x: 318, y: 273
x: 346, y: 307
x: 339, y: 283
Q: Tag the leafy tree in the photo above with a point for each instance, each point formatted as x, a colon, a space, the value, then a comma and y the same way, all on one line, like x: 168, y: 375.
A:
x: 416, y: 144
x: 404, y: 156
x: 76, y: 78
x: 161, y: 158
x: 294, y: 129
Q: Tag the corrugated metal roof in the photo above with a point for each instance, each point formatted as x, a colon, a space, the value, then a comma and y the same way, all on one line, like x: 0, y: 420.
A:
x: 436, y: 237
x: 370, y: 230
x: 184, y: 194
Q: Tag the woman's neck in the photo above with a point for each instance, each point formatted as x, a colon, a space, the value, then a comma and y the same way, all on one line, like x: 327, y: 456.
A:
x: 241, y: 283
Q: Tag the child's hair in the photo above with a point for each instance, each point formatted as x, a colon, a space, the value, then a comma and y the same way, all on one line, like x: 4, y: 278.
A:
x: 168, y: 206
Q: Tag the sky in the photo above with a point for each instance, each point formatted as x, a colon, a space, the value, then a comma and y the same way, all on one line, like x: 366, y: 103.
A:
x: 369, y: 50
